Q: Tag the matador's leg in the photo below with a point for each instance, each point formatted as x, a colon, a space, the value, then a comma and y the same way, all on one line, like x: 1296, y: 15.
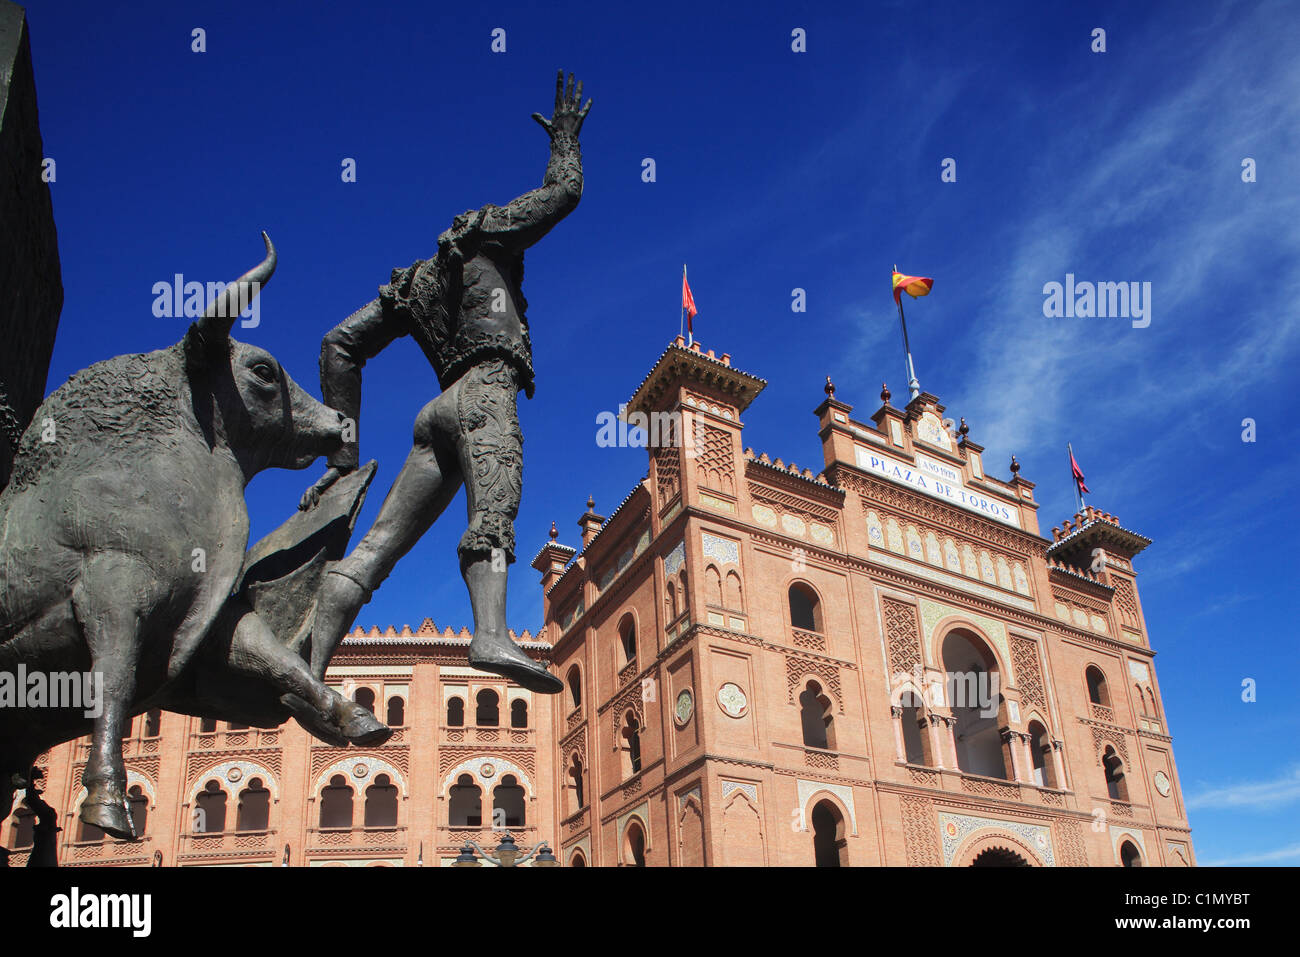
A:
x: 429, y: 480
x: 490, y: 448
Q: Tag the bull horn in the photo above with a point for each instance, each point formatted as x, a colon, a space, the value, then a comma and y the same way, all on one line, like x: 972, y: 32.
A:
x: 215, y: 324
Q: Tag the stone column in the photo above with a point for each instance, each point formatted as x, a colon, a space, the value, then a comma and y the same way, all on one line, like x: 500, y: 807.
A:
x: 897, y: 712
x: 1009, y: 739
x: 1059, y: 763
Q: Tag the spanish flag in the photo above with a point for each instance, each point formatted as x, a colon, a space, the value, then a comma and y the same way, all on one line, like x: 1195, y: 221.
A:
x: 914, y: 285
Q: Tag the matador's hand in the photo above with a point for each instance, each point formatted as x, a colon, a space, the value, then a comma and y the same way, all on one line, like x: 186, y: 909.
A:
x: 312, y: 495
x: 569, y: 112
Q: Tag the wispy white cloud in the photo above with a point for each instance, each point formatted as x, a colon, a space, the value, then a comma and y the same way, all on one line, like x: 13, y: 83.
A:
x: 1279, y: 856
x: 1258, y: 795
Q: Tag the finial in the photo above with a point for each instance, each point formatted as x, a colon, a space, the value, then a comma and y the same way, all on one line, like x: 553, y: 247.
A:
x: 965, y: 429
x: 829, y: 388
x: 1015, y: 466
x: 884, y: 393
x: 555, y: 532
x: 591, y: 503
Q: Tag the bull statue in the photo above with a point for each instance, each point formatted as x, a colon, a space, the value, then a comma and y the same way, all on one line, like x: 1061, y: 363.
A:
x: 123, y: 537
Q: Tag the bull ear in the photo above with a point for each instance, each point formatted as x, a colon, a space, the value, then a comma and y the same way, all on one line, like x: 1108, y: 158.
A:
x: 213, y: 327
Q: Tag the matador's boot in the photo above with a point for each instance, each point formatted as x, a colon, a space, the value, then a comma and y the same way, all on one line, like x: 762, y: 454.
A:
x: 337, y: 604
x: 491, y: 648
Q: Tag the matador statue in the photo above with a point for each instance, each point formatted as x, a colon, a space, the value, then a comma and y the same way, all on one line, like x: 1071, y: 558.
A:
x: 465, y: 308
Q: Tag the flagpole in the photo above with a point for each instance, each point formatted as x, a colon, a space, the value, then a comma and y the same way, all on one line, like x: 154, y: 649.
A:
x: 681, y: 327
x: 913, y: 386
x: 690, y: 334
x: 1078, y: 494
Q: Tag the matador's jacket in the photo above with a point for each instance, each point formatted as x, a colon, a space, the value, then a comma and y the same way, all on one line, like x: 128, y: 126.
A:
x: 466, y: 309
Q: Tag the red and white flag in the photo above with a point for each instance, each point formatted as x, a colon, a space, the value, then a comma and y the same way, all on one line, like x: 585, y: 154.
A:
x: 1078, y: 474
x: 688, y: 301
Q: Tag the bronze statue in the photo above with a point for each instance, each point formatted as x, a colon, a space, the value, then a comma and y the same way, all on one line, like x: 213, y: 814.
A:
x: 465, y: 308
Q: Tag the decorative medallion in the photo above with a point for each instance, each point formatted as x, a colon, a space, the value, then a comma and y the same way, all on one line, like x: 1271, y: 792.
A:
x: 732, y: 700
x: 950, y: 829
x: 486, y: 770
x: 360, y: 770
x: 1162, y: 783
x: 234, y: 774
x: 684, y: 707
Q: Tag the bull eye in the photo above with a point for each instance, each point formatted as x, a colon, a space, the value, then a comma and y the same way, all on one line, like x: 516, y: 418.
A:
x: 265, y: 372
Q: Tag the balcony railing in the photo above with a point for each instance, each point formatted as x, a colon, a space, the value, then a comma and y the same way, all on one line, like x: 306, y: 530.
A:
x: 358, y: 837
x: 225, y: 842
x: 811, y: 640
x: 475, y: 735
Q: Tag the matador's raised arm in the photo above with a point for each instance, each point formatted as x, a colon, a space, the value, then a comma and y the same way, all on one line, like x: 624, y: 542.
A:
x: 525, y: 220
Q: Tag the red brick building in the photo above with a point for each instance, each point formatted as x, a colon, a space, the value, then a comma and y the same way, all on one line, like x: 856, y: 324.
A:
x: 469, y: 749
x: 883, y: 662
x: 771, y: 666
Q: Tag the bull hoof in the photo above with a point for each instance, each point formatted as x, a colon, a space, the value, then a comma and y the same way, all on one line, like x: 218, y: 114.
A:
x: 110, y: 818
x: 361, y: 727
x: 319, y: 724
x: 508, y: 661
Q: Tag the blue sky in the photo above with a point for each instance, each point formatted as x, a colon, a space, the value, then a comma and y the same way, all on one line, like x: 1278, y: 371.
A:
x: 775, y: 170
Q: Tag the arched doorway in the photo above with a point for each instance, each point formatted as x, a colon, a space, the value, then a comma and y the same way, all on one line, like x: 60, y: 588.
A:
x: 830, y: 848
x: 998, y: 857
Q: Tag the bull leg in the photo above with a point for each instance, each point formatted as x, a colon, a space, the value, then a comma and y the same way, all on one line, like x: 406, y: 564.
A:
x: 255, y: 650
x: 110, y: 603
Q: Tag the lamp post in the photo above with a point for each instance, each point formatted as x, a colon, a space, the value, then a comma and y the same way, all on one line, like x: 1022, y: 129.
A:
x: 508, y: 854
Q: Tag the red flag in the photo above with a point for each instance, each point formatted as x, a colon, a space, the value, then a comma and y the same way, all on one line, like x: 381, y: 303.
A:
x: 688, y: 301
x: 1078, y: 474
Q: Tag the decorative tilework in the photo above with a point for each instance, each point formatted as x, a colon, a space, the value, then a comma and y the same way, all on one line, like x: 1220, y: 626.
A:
x: 954, y: 829
x: 807, y: 789
x: 675, y: 559
x: 724, y: 550
x: 751, y: 790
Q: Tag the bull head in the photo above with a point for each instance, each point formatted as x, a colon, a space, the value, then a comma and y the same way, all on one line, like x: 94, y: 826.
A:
x: 243, y: 398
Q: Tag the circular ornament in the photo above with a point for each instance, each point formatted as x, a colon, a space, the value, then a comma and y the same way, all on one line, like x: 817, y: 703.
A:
x: 1162, y: 783
x: 684, y: 708
x: 950, y: 829
x: 360, y: 770
x: 486, y: 769
x: 234, y: 774
x: 732, y: 700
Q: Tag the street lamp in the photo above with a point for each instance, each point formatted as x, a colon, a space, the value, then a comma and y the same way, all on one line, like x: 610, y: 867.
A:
x: 508, y: 854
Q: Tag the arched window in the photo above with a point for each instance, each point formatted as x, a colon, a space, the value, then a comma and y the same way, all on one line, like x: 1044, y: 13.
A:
x: 830, y: 848
x: 1116, y: 787
x: 381, y: 803
x: 138, y: 802
x: 455, y: 713
x: 634, y: 845
x: 488, y: 712
x: 577, y: 860
x: 396, y: 712
x: 713, y: 586
x: 627, y: 639
x: 916, y: 739
x: 508, y: 803
x: 976, y: 705
x: 254, y: 812
x: 366, y: 698
x: 519, y: 713
x: 207, y: 725
x: 152, y: 723
x: 1129, y: 856
x: 577, y: 798
x: 735, y: 599
x: 818, y: 721
x: 1097, y: 692
x: 466, y: 803
x: 212, y: 802
x: 805, y: 609
x: 631, y: 745
x: 575, y: 687
x: 1040, y: 754
x: 87, y: 833
x: 336, y: 803
x: 23, y: 831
